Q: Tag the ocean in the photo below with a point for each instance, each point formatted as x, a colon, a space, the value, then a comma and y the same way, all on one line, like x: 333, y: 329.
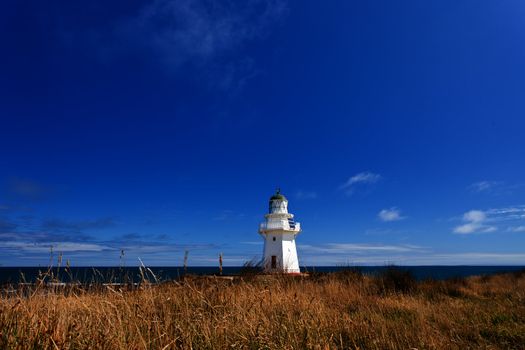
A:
x: 15, y: 275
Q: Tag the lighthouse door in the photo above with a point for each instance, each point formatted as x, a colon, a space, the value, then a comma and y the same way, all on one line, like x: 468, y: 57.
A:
x: 274, y: 262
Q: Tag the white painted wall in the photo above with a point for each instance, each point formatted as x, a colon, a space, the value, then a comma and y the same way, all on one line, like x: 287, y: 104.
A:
x: 290, y: 260
x: 283, y: 248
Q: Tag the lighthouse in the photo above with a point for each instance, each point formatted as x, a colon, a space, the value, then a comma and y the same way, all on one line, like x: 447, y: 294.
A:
x: 279, y: 231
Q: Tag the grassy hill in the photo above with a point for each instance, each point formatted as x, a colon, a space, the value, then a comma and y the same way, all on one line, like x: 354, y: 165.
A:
x: 321, y: 311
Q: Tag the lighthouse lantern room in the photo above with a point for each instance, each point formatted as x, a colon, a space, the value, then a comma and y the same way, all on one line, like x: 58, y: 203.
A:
x: 279, y: 232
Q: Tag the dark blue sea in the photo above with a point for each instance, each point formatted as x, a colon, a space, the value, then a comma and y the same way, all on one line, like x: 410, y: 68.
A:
x: 15, y: 275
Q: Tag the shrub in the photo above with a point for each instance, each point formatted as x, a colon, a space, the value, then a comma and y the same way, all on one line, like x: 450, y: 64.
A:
x: 348, y: 274
x: 251, y: 269
x: 395, y: 280
x: 518, y: 274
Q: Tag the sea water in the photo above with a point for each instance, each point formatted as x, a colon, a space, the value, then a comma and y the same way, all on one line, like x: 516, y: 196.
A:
x: 14, y: 275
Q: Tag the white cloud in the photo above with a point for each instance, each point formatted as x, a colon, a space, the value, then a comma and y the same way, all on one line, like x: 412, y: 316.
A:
x: 474, y: 216
x: 401, y: 254
x: 358, y: 179
x: 364, y: 177
x: 478, y: 258
x: 346, y: 248
x: 369, y: 254
x: 57, y: 247
x: 392, y: 214
x: 466, y: 258
x: 412, y: 259
x: 475, y: 223
x: 485, y: 221
x: 466, y: 228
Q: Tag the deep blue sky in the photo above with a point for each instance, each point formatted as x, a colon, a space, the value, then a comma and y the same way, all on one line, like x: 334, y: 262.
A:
x: 395, y: 128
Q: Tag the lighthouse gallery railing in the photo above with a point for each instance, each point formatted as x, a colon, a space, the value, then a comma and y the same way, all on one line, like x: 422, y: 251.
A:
x: 283, y: 225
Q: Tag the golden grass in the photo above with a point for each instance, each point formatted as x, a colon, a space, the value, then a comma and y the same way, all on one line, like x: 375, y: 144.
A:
x: 332, y: 311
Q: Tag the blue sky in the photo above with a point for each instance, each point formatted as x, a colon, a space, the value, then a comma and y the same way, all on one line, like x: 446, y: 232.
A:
x: 395, y: 128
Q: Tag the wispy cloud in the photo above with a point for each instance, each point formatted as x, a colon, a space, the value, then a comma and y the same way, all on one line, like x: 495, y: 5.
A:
x: 187, y: 29
x: 29, y: 240
x: 507, y: 213
x: 479, y: 221
x: 347, y: 248
x: 202, y: 33
x: 411, y: 259
x: 356, y: 253
x: 359, y: 179
x: 392, y: 214
x: 484, y: 186
x: 378, y: 254
x: 39, y: 247
x: 494, y: 187
x: 39, y: 236
x: 477, y: 258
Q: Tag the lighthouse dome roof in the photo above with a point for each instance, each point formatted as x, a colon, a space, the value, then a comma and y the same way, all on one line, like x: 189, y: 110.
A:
x: 278, y: 196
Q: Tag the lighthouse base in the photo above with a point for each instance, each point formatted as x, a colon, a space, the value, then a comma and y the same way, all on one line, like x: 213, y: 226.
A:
x: 280, y: 253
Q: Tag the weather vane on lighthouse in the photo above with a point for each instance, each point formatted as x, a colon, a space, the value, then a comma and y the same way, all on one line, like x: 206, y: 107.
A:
x: 279, y: 232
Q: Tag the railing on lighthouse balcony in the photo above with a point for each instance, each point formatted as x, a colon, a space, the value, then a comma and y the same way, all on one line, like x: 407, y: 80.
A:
x: 280, y: 225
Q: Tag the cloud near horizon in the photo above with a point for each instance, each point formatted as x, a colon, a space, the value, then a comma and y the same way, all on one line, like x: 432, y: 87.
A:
x: 403, y: 254
x: 357, y: 248
x: 48, y: 247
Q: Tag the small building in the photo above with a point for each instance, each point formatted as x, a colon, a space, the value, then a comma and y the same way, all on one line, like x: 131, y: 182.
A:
x: 279, y: 232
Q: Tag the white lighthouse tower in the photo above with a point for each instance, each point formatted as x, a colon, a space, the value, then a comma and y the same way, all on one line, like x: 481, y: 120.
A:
x: 279, y: 232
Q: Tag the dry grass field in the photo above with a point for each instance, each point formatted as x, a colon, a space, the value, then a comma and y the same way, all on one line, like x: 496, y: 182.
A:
x: 344, y: 310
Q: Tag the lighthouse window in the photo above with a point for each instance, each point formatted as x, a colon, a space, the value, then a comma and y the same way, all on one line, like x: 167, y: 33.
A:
x: 274, y: 239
